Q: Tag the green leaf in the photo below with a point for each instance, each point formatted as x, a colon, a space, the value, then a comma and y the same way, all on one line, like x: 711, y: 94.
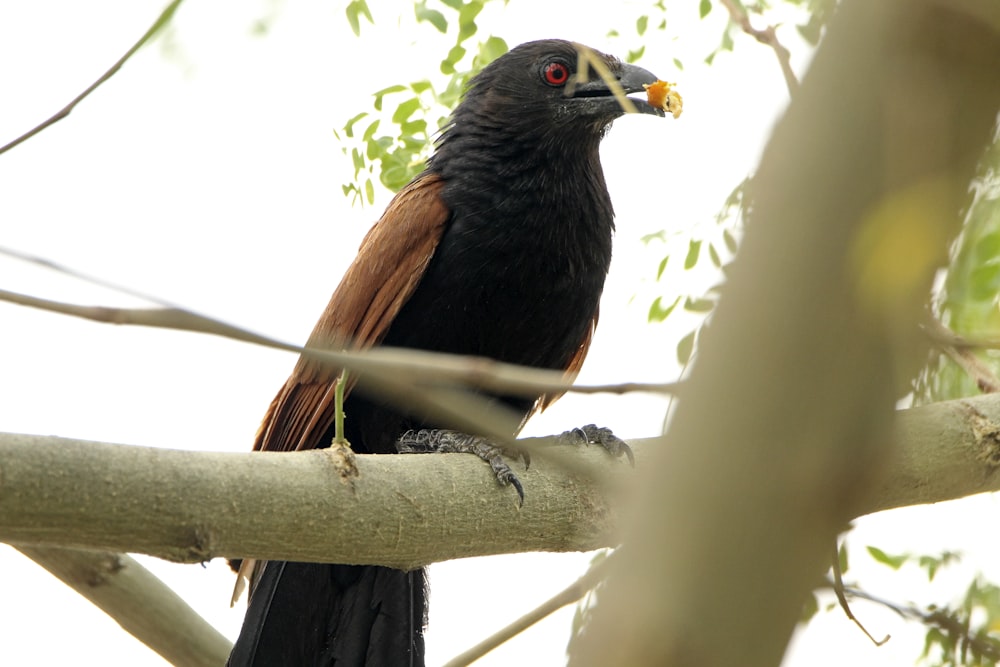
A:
x: 421, y: 86
x: 355, y: 9
x: 694, y: 247
x: 895, y: 562
x: 386, y: 91
x: 704, y: 8
x: 432, y: 16
x: 370, y: 131
x: 370, y: 191
x: 662, y: 267
x: 678, y: 64
x: 685, y: 347
x: 842, y: 557
x: 635, y: 55
x: 453, y: 4
x: 714, y: 256
x: 657, y: 313
x: 349, y: 125
x: 641, y: 24
x: 467, y: 19
x: 727, y: 41
x: 454, y: 55
x: 405, y: 110
x: 490, y: 50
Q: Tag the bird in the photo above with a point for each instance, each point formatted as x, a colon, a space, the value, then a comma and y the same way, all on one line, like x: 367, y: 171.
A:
x: 499, y: 248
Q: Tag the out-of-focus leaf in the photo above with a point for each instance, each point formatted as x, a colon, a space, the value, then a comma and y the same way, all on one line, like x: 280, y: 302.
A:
x: 895, y: 562
x: 432, y: 16
x: 355, y: 10
x: 657, y: 312
x: 641, y: 24
x: 704, y: 7
x: 662, y: 267
x: 694, y: 247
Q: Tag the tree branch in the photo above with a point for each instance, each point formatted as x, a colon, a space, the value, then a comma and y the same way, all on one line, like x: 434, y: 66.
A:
x: 400, y: 511
x: 768, y: 37
x: 158, y: 24
x: 142, y: 604
x: 780, y: 434
x: 409, y: 371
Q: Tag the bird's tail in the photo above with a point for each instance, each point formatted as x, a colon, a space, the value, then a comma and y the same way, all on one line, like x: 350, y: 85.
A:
x: 345, y: 615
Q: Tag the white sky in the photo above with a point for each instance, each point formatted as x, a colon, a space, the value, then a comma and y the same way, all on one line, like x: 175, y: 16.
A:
x: 211, y: 177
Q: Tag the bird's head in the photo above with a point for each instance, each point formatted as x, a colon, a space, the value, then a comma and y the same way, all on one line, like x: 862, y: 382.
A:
x: 557, y: 83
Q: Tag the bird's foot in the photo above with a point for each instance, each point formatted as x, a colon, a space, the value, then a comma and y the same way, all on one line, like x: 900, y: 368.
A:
x: 443, y: 441
x: 591, y: 434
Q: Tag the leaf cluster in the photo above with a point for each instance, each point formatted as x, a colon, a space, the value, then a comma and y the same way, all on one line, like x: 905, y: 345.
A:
x: 391, y: 141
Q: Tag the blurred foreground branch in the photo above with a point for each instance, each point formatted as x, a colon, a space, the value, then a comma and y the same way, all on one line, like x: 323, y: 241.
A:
x: 781, y: 431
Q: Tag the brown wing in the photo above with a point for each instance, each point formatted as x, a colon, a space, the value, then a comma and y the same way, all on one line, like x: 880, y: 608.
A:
x: 574, y: 366
x: 390, y: 263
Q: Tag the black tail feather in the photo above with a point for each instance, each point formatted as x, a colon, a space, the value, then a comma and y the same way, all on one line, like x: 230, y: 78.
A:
x: 315, y: 614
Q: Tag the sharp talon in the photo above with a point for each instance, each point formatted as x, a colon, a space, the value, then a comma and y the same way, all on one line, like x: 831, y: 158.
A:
x: 444, y: 441
x: 591, y: 434
x: 630, y: 455
x: 516, y: 483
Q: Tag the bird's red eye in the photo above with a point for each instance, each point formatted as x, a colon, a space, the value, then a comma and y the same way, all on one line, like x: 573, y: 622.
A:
x: 556, y: 73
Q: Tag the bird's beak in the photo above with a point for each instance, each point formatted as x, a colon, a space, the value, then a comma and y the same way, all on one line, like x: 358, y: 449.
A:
x: 630, y: 79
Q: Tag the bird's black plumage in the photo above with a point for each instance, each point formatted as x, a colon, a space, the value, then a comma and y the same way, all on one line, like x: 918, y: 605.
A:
x: 518, y: 225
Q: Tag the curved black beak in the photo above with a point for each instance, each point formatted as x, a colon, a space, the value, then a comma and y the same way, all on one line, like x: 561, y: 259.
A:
x: 631, y: 79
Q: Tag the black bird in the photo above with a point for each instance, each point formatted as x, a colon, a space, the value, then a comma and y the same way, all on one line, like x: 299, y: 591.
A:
x: 499, y: 249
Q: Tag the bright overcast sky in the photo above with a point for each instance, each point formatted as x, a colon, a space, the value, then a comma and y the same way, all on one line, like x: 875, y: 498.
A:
x: 207, y: 174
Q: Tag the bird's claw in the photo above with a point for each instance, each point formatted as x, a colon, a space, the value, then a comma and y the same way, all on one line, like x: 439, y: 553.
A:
x: 591, y: 434
x: 427, y: 441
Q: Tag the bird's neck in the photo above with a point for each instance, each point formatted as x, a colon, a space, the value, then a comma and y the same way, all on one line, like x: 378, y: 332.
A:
x: 521, y: 173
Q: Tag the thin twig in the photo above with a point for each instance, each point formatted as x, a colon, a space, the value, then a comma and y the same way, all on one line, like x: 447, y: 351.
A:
x: 415, y: 366
x: 981, y: 645
x: 567, y: 596
x: 960, y: 350
x: 769, y: 37
x: 418, y: 367
x: 161, y: 21
x: 838, y: 589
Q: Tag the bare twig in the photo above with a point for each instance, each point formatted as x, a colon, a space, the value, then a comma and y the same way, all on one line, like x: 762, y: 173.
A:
x: 567, y: 596
x: 960, y: 350
x: 418, y: 368
x: 161, y: 21
x: 839, y: 591
x: 769, y: 37
x: 980, y: 644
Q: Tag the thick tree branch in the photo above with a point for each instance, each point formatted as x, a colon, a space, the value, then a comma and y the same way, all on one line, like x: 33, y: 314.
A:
x: 402, y: 511
x: 142, y: 604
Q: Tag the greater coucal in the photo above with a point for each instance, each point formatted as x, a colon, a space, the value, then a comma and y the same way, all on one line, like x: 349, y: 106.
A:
x: 498, y: 249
